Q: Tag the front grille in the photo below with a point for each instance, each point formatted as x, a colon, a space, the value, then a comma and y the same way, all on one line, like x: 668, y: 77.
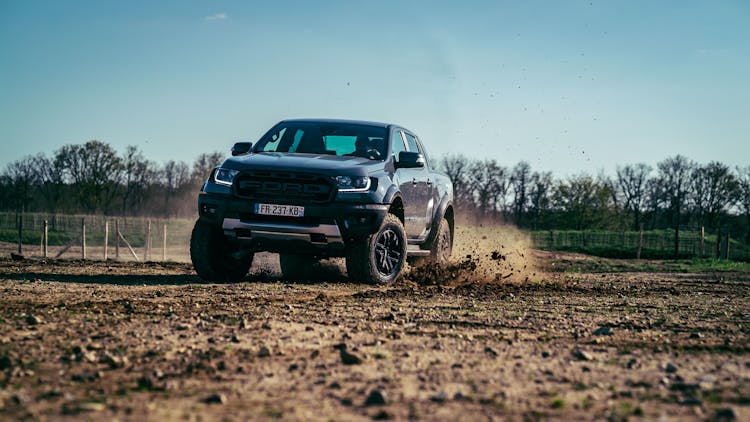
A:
x: 283, y: 187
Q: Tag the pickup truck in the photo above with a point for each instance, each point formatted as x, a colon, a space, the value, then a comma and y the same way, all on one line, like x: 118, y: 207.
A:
x: 311, y: 189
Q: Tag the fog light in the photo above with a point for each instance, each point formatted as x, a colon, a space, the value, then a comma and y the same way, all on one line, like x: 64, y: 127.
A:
x: 208, y: 209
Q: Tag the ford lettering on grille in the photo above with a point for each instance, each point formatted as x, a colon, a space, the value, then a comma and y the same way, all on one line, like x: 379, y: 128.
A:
x: 279, y: 186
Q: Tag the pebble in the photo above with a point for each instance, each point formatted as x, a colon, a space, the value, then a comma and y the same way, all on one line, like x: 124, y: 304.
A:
x: 440, y: 397
x: 604, y: 330
x: 91, y: 407
x: 725, y: 414
x: 5, y: 362
x: 670, y: 368
x: 382, y: 415
x: 349, y: 358
x: 264, y: 352
x: 215, y: 398
x: 34, y: 320
x: 582, y: 355
x: 375, y: 398
x: 490, y: 351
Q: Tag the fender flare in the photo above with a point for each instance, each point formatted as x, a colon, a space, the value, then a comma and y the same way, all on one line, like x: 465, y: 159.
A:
x: 391, y: 194
x: 437, y: 216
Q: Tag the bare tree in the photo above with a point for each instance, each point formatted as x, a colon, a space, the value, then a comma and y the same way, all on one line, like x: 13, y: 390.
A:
x: 138, y: 175
x: 519, y: 179
x: 175, y: 179
x: 713, y: 190
x: 457, y: 167
x: 540, y: 193
x: 674, y: 175
x: 632, y: 185
x: 22, y: 177
x: 51, y: 181
x: 203, y: 165
x: 489, y: 185
x: 95, y: 170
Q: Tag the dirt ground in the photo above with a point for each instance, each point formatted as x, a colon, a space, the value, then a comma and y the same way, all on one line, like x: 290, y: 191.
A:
x: 506, y: 334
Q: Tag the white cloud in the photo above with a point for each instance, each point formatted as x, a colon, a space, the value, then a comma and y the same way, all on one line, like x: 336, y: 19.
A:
x: 217, y: 17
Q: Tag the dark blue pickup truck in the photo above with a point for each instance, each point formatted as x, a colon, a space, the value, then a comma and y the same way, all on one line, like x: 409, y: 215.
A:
x: 317, y: 188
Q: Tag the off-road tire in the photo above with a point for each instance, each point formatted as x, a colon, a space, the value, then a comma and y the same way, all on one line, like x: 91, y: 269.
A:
x: 212, y: 256
x: 378, y: 258
x: 440, y: 249
x: 297, y: 267
x: 442, y: 246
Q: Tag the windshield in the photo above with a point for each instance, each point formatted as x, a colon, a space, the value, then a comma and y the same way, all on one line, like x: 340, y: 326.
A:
x: 342, y: 139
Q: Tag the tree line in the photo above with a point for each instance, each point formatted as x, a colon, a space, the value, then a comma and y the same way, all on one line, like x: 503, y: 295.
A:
x: 94, y: 178
x: 677, y: 193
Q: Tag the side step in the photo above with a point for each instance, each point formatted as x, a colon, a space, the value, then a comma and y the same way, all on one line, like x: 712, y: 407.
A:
x: 413, y: 250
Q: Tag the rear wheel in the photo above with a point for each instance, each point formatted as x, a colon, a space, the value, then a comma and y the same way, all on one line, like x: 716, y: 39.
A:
x: 297, y: 267
x: 379, y: 258
x: 440, y: 250
x: 442, y: 246
x: 213, y: 258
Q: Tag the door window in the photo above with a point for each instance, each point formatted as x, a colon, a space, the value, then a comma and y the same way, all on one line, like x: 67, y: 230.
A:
x: 397, y: 144
x: 411, y: 142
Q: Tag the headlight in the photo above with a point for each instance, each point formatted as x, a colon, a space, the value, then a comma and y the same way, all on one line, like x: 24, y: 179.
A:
x: 352, y: 184
x: 224, y: 176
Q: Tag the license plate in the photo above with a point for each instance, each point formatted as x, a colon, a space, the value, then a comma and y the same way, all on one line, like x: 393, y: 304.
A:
x: 282, y: 210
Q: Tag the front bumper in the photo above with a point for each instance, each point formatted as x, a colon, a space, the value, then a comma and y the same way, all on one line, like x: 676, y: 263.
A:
x: 324, y: 230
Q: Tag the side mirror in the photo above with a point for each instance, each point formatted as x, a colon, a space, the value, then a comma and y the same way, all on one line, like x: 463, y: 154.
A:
x: 241, y: 148
x: 410, y: 160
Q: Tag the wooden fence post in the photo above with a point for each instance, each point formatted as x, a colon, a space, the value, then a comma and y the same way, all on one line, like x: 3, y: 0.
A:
x: 726, y: 252
x: 45, y: 239
x: 106, y: 238
x: 718, y: 245
x: 164, y: 242
x: 20, y: 234
x: 147, y: 242
x: 640, y: 241
x: 703, y: 241
x: 117, y: 238
x: 83, y: 238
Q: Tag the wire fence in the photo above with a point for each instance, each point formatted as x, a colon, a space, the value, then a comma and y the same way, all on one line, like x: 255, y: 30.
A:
x: 693, y: 243
x: 159, y: 239
x: 95, y: 237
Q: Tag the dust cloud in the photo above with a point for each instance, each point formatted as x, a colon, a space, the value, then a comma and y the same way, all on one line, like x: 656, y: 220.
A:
x: 482, y: 255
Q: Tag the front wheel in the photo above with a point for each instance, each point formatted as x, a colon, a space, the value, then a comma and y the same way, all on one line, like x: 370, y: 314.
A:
x: 213, y: 258
x: 378, y: 258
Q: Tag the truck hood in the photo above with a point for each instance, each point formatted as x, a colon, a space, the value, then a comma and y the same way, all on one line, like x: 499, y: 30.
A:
x: 330, y: 165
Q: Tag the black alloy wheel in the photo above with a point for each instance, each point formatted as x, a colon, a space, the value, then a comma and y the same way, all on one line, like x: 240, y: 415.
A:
x: 388, y: 252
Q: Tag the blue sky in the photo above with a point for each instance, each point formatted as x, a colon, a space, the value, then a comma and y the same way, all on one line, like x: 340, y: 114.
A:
x: 568, y: 86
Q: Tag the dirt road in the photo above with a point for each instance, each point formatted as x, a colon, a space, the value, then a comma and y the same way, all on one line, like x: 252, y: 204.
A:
x: 128, y: 341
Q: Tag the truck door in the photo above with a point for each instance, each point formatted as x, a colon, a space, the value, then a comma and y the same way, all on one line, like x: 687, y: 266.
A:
x: 416, y: 186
